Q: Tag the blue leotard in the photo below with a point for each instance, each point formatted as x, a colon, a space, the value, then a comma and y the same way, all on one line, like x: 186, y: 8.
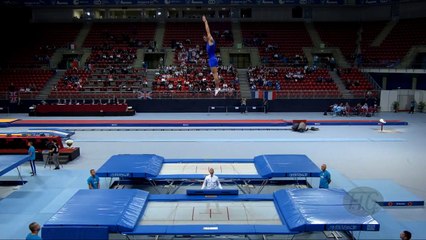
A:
x: 211, y: 52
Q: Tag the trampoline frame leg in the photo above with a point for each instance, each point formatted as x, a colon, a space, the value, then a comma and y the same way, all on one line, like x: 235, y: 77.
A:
x: 262, y: 186
x: 154, y: 185
x: 20, y: 176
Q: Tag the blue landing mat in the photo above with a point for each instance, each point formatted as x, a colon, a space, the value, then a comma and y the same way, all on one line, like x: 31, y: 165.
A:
x: 393, y: 194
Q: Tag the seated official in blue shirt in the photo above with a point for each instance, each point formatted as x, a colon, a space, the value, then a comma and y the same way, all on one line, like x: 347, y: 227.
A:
x: 93, y: 180
x: 325, y: 177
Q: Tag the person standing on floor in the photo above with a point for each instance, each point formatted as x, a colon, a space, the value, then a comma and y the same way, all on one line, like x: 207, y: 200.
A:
x: 93, y: 180
x: 243, y: 105
x: 54, y: 153
x: 412, y: 106
x: 32, y: 154
x: 325, y: 177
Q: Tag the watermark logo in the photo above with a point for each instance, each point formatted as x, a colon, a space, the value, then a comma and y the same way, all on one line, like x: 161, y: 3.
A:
x: 363, y: 201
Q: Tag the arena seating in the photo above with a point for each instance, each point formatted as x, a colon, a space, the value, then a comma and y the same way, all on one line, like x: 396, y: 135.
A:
x: 178, y: 81
x: 109, y: 71
x: 341, y: 35
x: 356, y: 82
x: 289, y: 38
x: 27, y: 82
x: 194, y: 79
x: 370, y: 30
x: 180, y: 32
x: 119, y: 56
x: 45, y: 39
x: 293, y: 82
x: 100, y: 83
x: 120, y: 35
x: 403, y: 36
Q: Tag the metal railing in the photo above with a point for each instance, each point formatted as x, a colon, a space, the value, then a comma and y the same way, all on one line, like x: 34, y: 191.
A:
x: 307, y: 94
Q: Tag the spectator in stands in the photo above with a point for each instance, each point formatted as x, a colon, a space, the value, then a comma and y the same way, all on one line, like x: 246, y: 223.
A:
x: 405, y: 235
x: 35, y: 229
x: 11, y: 87
x: 145, y: 83
x: 211, y: 181
x: 32, y: 154
x: 356, y: 83
x: 54, y: 153
x: 364, y: 108
x: 211, y: 51
x: 93, y: 180
x: 325, y: 177
x: 332, y: 63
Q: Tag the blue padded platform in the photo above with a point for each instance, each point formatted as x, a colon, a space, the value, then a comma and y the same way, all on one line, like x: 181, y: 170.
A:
x: 149, y: 166
x: 75, y: 232
x: 131, y: 166
x: 53, y: 132
x: 10, y: 162
x: 210, y: 229
x: 393, y: 194
x: 212, y: 192
x: 288, y: 165
x: 322, y: 210
x: 117, y: 210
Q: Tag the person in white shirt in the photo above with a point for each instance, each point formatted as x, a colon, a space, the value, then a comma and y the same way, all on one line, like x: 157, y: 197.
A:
x: 211, y: 181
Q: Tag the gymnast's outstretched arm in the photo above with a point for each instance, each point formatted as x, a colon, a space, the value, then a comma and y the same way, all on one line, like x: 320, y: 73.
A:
x: 206, y: 26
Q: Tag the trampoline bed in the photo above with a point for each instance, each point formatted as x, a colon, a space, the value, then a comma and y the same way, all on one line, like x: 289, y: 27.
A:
x: 95, y: 214
x: 210, y: 212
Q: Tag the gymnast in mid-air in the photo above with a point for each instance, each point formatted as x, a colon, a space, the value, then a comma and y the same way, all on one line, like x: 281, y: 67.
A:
x: 211, y: 52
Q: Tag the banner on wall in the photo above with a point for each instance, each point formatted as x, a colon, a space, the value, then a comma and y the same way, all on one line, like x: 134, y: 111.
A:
x: 372, y: 2
x: 173, y: 2
x: 260, y: 94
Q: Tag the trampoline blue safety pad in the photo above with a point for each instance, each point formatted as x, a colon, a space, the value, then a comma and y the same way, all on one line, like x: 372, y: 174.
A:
x: 157, y: 168
x: 93, y: 214
x: 131, y: 166
x: 10, y: 162
x: 96, y: 212
x: 323, y: 210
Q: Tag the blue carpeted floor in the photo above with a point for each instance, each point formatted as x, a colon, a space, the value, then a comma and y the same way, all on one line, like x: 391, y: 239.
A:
x: 352, y: 152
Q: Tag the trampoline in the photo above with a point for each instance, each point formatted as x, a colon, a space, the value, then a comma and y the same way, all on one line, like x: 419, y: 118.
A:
x: 9, y: 162
x: 177, y: 172
x: 96, y: 214
x: 55, y: 132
